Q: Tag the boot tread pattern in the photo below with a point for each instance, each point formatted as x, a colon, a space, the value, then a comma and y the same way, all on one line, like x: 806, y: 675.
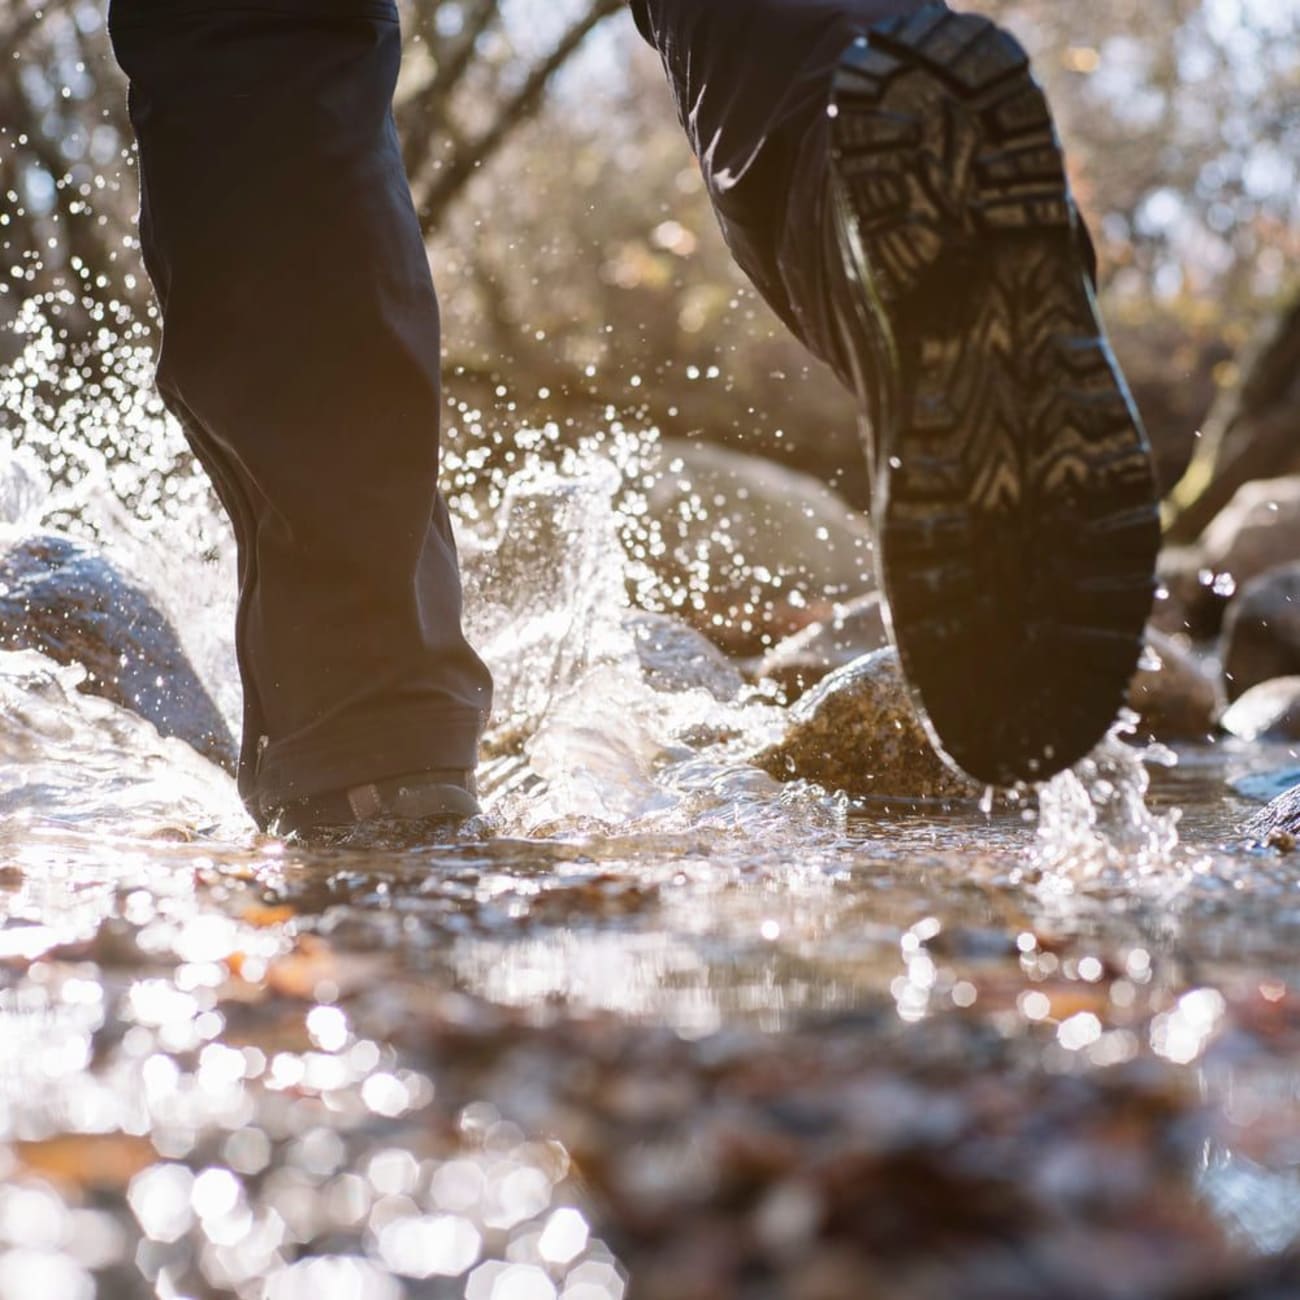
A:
x: 1015, y: 501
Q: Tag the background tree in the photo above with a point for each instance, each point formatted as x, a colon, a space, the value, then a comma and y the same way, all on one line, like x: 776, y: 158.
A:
x: 580, y: 267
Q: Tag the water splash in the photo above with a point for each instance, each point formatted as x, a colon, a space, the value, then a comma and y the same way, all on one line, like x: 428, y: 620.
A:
x: 1094, y: 820
x: 89, y: 451
x: 559, y: 548
x: 78, y: 760
x: 612, y: 748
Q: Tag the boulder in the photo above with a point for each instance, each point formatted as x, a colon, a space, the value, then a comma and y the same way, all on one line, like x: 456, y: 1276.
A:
x: 857, y: 731
x: 749, y: 551
x: 1269, y: 711
x: 1261, y: 634
x: 63, y: 599
x: 1176, y: 700
x: 675, y: 657
x: 1257, y: 530
x: 854, y: 629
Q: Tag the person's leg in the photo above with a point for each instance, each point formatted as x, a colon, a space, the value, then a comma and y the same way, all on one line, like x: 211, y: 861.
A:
x: 750, y: 79
x: 301, y: 353
x: 888, y: 175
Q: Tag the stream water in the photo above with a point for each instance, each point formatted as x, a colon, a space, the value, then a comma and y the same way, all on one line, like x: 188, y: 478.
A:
x: 658, y: 1026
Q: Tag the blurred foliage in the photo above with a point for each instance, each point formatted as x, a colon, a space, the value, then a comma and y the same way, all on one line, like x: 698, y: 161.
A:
x: 472, y: 74
x: 580, y: 267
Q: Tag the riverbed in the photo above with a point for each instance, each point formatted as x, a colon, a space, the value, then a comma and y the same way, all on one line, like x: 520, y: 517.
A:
x: 736, y: 1039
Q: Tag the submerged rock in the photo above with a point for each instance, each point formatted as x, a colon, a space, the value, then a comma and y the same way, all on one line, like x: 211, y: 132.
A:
x: 59, y: 597
x: 857, y: 731
x: 854, y: 629
x: 675, y: 657
x: 1179, y: 700
x: 1261, y: 637
x: 1269, y: 711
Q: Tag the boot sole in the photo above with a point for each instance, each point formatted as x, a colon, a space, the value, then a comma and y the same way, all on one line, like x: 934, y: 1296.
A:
x: 1013, y: 492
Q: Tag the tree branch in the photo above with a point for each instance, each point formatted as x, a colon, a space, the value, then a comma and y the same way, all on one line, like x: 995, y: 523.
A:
x: 451, y: 178
x: 427, y: 112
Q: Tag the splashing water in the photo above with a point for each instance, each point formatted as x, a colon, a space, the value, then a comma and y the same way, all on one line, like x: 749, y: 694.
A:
x: 1094, y: 820
x: 556, y: 543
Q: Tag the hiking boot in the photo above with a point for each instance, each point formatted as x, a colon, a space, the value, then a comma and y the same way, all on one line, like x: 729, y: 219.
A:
x: 401, y: 812
x: 1014, y: 501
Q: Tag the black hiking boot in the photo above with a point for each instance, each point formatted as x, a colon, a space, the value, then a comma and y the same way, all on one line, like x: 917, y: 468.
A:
x: 1013, y: 496
x: 401, y: 812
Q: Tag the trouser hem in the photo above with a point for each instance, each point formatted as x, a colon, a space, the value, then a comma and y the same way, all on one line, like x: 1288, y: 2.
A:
x: 410, y: 741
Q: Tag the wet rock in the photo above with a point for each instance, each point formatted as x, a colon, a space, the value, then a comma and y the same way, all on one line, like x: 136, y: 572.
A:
x: 1190, y: 597
x: 1257, y: 530
x: 1179, y: 700
x: 675, y: 657
x: 59, y: 597
x: 763, y: 550
x: 1269, y: 711
x: 854, y: 629
x: 1279, y: 819
x: 1261, y: 636
x: 857, y: 731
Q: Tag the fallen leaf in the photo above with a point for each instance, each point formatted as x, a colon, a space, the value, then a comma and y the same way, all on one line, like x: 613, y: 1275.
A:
x: 263, y: 916
x: 84, y: 1160
x: 313, y: 964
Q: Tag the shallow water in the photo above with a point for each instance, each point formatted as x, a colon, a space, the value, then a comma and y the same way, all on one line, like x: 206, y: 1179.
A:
x: 657, y: 1022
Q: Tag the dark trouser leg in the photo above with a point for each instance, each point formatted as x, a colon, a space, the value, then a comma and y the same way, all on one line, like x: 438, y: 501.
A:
x: 301, y: 353
x: 924, y: 240
x: 751, y: 79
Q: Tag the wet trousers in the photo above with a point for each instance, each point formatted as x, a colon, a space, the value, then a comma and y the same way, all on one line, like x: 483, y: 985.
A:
x: 300, y: 344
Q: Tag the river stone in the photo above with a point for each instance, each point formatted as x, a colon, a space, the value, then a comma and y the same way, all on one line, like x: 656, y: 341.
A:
x: 1257, y: 530
x: 1189, y: 600
x: 1261, y: 636
x: 63, y: 599
x: 1269, y: 711
x: 1278, y: 823
x: 857, y: 731
x: 763, y: 550
x: 854, y: 629
x: 1179, y: 700
x: 675, y: 657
